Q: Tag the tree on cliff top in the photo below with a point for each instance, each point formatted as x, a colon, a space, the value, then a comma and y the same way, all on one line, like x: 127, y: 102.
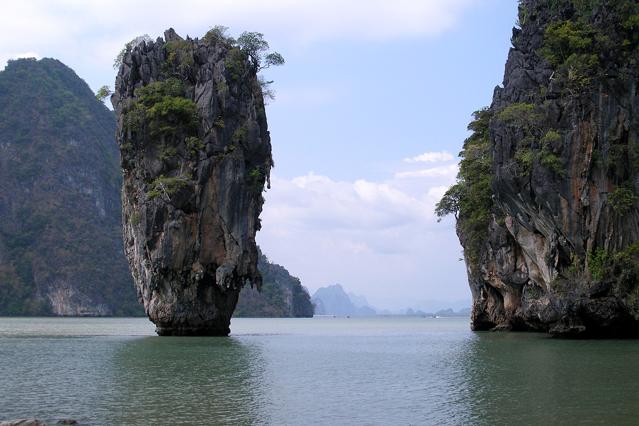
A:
x: 251, y: 44
x: 256, y: 47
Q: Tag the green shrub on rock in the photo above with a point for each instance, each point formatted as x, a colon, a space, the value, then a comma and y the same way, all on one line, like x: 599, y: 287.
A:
x: 162, y: 109
x: 550, y: 138
x: 179, y: 54
x: 552, y: 162
x: 470, y: 199
x: 622, y: 199
x: 524, y: 158
x: 194, y: 145
x: 166, y: 186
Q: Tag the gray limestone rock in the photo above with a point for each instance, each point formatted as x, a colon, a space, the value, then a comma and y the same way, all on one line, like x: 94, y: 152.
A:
x: 196, y: 155
x: 537, y: 269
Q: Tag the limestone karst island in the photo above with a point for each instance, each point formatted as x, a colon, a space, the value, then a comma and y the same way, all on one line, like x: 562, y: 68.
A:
x: 196, y: 155
x: 319, y: 212
x: 546, y: 196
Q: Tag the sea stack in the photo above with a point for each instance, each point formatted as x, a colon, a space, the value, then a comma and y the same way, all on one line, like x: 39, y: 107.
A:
x: 196, y: 155
x: 547, y: 198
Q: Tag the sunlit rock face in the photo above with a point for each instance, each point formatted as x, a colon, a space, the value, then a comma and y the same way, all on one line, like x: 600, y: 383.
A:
x: 196, y: 155
x: 561, y: 253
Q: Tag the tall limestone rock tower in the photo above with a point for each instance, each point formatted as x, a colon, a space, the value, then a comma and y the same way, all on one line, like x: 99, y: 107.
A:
x: 196, y: 155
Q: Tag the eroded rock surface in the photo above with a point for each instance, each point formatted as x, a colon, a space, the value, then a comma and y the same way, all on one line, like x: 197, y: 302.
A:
x: 196, y: 155
x: 561, y: 249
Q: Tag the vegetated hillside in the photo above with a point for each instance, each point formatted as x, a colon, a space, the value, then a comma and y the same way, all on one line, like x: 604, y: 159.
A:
x: 60, y: 230
x: 281, y: 294
x: 548, y: 189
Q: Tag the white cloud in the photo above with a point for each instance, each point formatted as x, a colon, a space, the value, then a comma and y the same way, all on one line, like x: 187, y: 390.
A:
x: 309, y: 20
x: 449, y: 171
x: 437, y: 192
x: 377, y: 238
x: 25, y: 55
x: 319, y: 202
x: 91, y: 33
x: 430, y: 157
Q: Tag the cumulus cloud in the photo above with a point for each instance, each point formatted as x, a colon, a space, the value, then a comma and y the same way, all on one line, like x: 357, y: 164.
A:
x: 374, y: 237
x: 318, y: 202
x: 69, y: 29
x: 310, y: 20
x: 449, y: 171
x: 430, y: 157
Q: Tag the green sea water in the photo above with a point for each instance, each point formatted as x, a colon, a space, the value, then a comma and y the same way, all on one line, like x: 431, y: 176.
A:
x: 321, y: 371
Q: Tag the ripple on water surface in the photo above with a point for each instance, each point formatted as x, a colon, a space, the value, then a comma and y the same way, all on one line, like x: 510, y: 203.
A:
x: 111, y: 371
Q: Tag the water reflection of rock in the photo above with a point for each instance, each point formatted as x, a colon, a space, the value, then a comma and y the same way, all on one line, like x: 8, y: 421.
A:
x: 179, y: 380
x: 547, y: 381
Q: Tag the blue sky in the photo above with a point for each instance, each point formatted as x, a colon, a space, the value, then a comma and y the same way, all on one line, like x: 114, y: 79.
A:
x: 367, y: 88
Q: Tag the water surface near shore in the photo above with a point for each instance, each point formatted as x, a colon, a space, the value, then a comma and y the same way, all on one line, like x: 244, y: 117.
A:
x: 326, y: 371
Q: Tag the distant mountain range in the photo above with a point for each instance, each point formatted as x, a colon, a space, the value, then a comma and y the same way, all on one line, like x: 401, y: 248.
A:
x: 333, y: 300
x: 464, y: 312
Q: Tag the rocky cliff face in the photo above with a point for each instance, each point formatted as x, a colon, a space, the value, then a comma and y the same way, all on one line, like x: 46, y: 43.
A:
x: 196, y: 154
x: 551, y: 242
x: 60, y: 214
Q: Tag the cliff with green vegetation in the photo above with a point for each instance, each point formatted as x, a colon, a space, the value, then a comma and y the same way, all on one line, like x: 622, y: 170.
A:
x: 547, y: 194
x: 281, y: 295
x: 60, y: 228
x: 196, y: 155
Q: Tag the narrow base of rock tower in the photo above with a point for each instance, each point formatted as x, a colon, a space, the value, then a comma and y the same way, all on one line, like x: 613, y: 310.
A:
x: 213, y: 315
x: 221, y: 329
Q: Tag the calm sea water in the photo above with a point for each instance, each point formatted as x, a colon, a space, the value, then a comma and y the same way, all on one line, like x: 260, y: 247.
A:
x: 325, y: 371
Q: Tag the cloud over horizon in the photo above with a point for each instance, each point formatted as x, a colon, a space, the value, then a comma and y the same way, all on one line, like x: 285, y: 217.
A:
x: 362, y: 233
x: 448, y: 171
x: 430, y: 157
